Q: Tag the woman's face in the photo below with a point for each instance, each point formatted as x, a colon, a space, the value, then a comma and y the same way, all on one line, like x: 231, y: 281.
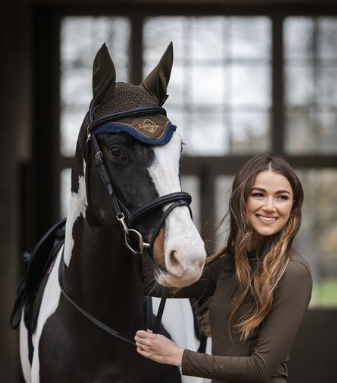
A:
x: 269, y: 204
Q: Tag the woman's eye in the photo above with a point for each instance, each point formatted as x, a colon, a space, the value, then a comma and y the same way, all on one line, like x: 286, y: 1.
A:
x: 258, y: 195
x: 115, y: 153
x: 283, y: 197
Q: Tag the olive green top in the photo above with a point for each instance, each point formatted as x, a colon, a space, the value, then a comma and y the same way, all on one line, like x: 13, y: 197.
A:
x: 264, y: 355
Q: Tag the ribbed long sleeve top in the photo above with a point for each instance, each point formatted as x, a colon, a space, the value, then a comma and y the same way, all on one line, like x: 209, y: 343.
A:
x: 264, y: 355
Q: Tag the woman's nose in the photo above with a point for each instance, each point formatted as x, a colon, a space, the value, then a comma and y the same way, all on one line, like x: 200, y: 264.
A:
x: 269, y: 205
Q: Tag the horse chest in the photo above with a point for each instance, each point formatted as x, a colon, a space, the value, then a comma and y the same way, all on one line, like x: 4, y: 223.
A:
x: 82, y: 353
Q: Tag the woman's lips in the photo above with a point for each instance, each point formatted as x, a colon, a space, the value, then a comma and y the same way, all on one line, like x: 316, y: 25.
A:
x: 266, y: 219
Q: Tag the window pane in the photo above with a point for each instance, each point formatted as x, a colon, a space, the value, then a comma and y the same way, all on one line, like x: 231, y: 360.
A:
x: 223, y: 186
x: 71, y: 120
x: 300, y: 87
x: 249, y: 130
x: 251, y: 86
x: 327, y: 86
x: 310, y: 85
x: 298, y: 38
x: 205, y: 41
x: 81, y: 37
x: 223, y: 69
x: 202, y: 85
x: 250, y: 38
x: 158, y: 33
x: 300, y: 132
x: 65, y: 191
x: 327, y: 48
x: 317, y: 239
x: 206, y: 136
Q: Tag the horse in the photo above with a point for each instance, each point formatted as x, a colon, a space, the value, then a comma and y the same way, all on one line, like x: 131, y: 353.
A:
x: 126, y: 201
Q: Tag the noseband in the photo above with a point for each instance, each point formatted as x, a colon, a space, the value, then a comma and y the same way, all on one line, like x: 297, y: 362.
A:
x: 123, y: 215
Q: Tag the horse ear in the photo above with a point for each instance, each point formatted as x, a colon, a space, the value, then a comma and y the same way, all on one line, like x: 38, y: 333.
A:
x: 156, y: 82
x: 103, y: 78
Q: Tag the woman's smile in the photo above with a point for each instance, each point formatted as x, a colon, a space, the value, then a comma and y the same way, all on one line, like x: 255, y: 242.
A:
x: 266, y: 219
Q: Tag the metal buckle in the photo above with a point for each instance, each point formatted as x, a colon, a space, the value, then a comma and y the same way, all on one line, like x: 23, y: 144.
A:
x: 121, y: 218
x: 141, y: 244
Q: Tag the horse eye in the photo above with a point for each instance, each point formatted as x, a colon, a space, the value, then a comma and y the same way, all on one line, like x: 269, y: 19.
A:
x: 115, y: 153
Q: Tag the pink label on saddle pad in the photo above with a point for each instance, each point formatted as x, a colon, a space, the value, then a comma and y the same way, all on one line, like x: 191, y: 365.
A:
x: 50, y: 268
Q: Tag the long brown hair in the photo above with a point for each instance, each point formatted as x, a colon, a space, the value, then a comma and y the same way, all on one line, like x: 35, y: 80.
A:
x: 272, y: 255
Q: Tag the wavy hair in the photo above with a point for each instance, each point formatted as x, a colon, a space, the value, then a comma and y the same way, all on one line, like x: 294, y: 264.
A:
x: 260, y: 280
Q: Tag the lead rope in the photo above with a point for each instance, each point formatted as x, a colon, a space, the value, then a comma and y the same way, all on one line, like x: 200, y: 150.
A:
x: 143, y: 302
x: 157, y: 323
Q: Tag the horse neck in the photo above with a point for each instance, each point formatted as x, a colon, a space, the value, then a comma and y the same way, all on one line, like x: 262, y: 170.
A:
x: 102, y: 276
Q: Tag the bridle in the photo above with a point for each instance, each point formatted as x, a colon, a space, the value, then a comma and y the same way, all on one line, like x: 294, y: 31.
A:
x: 123, y: 216
x: 133, y: 238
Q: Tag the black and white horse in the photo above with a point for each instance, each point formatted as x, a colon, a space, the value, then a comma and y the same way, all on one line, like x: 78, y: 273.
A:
x: 128, y: 131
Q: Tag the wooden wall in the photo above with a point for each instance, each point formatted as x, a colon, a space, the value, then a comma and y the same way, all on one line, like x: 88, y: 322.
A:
x: 14, y: 149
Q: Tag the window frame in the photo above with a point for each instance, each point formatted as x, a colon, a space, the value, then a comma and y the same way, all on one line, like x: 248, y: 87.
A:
x: 49, y: 162
x: 207, y: 168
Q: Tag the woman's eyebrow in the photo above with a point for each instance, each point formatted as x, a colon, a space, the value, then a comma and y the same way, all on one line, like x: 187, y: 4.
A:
x: 282, y: 191
x: 264, y: 190
x: 259, y: 189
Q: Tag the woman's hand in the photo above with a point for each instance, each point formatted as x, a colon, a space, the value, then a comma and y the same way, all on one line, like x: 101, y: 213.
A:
x: 158, y: 348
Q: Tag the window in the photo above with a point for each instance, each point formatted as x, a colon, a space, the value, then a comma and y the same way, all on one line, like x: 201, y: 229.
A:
x: 81, y: 38
x: 220, y: 86
x: 223, y: 101
x: 311, y: 84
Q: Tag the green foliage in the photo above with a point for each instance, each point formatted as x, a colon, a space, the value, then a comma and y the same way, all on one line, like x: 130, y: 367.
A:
x: 324, y: 294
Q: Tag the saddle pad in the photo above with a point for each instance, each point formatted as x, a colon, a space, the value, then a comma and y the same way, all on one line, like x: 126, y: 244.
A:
x: 38, y: 263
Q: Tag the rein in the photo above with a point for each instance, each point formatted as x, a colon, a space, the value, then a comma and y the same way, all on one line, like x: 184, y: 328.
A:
x: 126, y: 219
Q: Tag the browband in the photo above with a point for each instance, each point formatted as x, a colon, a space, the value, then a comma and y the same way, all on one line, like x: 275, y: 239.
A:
x: 134, y: 112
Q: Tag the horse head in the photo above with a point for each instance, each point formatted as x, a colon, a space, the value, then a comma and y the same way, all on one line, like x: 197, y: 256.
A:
x: 127, y: 141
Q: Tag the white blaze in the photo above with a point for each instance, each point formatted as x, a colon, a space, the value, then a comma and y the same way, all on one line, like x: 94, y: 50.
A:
x: 184, y: 250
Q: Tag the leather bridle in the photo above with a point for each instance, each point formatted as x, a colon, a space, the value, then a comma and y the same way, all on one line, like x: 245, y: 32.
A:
x: 127, y: 219
x: 123, y: 216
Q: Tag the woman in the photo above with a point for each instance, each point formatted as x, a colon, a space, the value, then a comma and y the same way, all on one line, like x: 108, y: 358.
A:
x: 259, y: 286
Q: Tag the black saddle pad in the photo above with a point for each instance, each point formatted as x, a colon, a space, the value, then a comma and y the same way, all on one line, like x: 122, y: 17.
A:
x: 37, y: 264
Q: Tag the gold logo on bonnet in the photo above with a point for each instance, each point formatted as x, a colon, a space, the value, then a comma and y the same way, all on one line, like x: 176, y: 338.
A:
x: 149, y: 125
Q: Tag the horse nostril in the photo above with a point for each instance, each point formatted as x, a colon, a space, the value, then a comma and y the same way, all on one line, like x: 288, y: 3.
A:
x: 173, y: 259
x: 175, y: 267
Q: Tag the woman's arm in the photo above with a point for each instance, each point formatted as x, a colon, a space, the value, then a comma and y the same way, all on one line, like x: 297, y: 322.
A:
x: 276, y: 335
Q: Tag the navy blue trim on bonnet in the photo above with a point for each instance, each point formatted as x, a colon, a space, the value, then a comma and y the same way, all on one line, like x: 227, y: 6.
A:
x: 111, y: 127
